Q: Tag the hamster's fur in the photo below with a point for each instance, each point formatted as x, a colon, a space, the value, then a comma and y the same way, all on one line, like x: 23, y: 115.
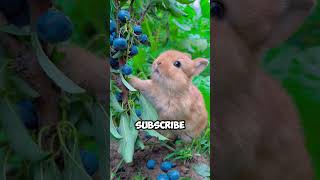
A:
x: 172, y: 93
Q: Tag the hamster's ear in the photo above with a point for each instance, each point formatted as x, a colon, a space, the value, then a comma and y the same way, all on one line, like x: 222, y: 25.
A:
x: 200, y: 65
x: 297, y: 11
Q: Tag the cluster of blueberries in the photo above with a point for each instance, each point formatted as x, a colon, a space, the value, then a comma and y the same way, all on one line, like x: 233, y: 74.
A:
x: 52, y: 26
x: 166, y: 167
x: 118, y: 42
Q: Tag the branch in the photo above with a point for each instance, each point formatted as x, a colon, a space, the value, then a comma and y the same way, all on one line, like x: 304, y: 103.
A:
x: 144, y: 13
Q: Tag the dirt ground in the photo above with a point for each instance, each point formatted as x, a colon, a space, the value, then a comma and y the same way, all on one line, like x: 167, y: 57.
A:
x: 158, y: 153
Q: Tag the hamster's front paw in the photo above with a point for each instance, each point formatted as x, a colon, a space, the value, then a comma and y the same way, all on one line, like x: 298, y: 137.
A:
x: 134, y: 81
x: 185, y: 138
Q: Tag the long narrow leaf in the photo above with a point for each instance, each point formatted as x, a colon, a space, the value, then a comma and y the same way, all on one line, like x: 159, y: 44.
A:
x: 52, y: 71
x: 100, y: 119
x: 19, y: 139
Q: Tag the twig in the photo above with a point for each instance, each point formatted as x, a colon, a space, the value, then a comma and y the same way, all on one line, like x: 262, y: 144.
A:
x: 144, y: 13
x: 116, y: 14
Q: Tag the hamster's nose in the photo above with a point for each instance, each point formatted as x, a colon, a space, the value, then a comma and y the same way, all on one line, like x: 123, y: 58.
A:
x: 158, y: 63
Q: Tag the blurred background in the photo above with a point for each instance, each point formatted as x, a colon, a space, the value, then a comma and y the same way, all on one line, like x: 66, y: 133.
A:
x: 296, y: 63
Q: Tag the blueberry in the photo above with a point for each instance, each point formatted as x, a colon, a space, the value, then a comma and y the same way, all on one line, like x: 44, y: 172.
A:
x: 162, y: 177
x: 126, y: 69
x: 11, y: 7
x: 124, y: 15
x: 113, y: 26
x: 137, y: 30
x: 89, y: 161
x: 114, y: 63
x: 166, y: 166
x: 138, y: 112
x: 53, y: 26
x: 133, y: 51
x: 151, y: 164
x: 119, y: 97
x: 143, y: 38
x: 120, y: 44
x: 111, y: 40
x: 27, y: 113
x: 174, y: 175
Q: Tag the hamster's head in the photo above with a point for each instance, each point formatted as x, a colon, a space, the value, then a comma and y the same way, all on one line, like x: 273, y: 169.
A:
x: 174, y: 69
x: 243, y: 30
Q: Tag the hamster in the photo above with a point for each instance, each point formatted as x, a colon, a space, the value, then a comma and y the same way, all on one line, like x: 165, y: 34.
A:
x: 171, y: 92
x: 257, y: 133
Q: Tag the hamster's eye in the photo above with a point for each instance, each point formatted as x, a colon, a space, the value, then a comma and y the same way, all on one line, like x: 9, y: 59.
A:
x: 177, y: 64
x: 217, y: 9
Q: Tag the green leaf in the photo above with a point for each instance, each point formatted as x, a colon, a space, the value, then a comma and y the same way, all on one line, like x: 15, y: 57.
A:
x: 52, y: 71
x: 3, y: 162
x: 185, y: 1
x: 19, y: 139
x: 148, y: 111
x: 124, y: 81
x: 118, y: 54
x: 14, y: 30
x: 174, y: 10
x: 113, y: 129
x: 139, y: 144
x: 46, y: 171
x: 115, y: 104
x: 127, y: 143
x: 23, y: 88
x: 100, y: 121
x: 202, y: 169
x: 73, y: 168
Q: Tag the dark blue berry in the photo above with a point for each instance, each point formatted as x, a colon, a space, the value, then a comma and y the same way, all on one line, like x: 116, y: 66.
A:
x: 124, y: 15
x: 111, y: 40
x: 138, y: 112
x: 113, y: 26
x: 119, y: 97
x: 27, y: 113
x: 120, y: 44
x: 89, y: 161
x: 133, y: 51
x: 162, y: 177
x: 166, y: 166
x: 126, y: 69
x: 143, y: 38
x: 53, y: 26
x: 174, y: 175
x: 137, y: 30
x: 114, y: 63
x: 151, y: 164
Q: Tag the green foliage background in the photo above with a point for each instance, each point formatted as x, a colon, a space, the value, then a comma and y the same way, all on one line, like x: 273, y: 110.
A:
x: 190, y: 34
x: 296, y: 63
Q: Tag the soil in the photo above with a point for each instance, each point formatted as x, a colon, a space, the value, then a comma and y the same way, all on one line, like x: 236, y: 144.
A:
x: 158, y: 153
